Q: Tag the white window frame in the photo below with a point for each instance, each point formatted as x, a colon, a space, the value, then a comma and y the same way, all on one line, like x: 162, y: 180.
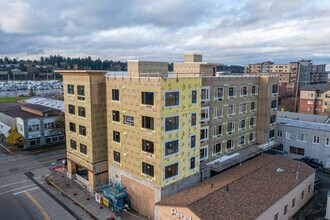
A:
x: 217, y: 153
x: 208, y: 93
x: 196, y: 96
x: 234, y: 112
x: 176, y: 139
x: 208, y: 113
x: 316, y: 139
x: 171, y: 116
x: 235, y: 92
x: 288, y: 135
x: 240, y: 108
x: 206, y: 147
x: 216, y: 98
x: 247, y: 91
x: 239, y: 125
x: 299, y: 135
x: 233, y: 145
x: 178, y: 174
x: 254, y: 94
x: 327, y: 141
x: 216, y: 116
x: 254, y: 137
x: 233, y: 127
x: 172, y: 106
x: 239, y: 140
x: 208, y: 133
x: 255, y: 106
x: 195, y: 142
x: 214, y: 129
x: 193, y: 126
x: 254, y: 121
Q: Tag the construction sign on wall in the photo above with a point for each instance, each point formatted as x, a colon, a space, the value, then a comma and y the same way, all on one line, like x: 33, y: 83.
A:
x: 105, y: 202
x: 97, y: 197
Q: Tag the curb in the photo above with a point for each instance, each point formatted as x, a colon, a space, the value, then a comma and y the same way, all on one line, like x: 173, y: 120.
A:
x: 74, y: 200
x: 45, y: 150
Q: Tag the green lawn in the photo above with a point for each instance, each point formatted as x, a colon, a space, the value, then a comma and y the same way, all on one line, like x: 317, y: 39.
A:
x: 12, y: 99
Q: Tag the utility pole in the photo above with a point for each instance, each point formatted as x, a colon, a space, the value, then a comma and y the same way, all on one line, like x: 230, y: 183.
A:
x: 297, y: 88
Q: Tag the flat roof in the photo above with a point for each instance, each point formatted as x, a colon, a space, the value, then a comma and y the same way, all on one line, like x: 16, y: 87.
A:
x: 303, y: 117
x: 252, y: 187
x: 50, y: 103
x: 322, y: 87
x: 303, y: 124
x: 80, y: 71
x: 14, y: 110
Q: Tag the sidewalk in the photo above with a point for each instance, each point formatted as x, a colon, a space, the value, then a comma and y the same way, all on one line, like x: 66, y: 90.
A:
x: 90, y: 206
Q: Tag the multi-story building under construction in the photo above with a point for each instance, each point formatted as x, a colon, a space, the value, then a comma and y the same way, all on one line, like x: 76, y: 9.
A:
x: 164, y: 132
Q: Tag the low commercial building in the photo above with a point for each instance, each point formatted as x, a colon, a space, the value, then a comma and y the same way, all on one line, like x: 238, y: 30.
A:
x: 265, y: 187
x: 315, y: 99
x: 299, y: 136
x: 34, y: 122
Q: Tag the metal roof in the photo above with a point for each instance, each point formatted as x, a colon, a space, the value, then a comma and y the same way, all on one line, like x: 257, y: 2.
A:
x: 303, y: 124
x: 303, y: 117
x: 51, y: 103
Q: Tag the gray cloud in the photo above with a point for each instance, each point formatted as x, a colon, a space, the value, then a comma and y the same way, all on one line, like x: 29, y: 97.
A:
x: 232, y: 32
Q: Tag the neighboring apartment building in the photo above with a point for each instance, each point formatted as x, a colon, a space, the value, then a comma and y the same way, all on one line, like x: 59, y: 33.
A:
x: 304, y: 71
x: 302, y: 136
x: 265, y: 187
x: 315, y: 99
x: 34, y: 122
x: 164, y: 128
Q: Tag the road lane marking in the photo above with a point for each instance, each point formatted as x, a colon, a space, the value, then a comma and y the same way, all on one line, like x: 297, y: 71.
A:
x: 19, y: 188
x: 27, y: 190
x: 42, y: 210
x: 6, y: 149
x: 9, y: 184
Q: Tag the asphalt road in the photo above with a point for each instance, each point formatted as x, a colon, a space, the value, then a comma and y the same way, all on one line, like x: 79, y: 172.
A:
x: 20, y: 198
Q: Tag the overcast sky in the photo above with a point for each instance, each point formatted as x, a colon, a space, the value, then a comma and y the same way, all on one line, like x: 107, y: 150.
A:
x: 224, y: 31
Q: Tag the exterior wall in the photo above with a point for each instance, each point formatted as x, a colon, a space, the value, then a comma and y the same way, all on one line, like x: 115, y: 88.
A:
x: 225, y: 83
x: 265, y: 111
x: 318, y: 151
x: 314, y: 102
x: 194, y: 69
x: 278, y: 207
x: 137, y: 68
x: 175, y: 213
x: 193, y: 58
x: 95, y: 161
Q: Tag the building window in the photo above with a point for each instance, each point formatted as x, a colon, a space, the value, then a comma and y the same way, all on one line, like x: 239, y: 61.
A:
x: 254, y: 90
x: 148, y: 169
x: 205, y: 114
x: 193, y: 119
x: 35, y: 127
x: 327, y: 141
x: 203, y: 153
x: 309, y: 102
x: 172, y: 123
x: 242, y: 124
x: 253, y: 106
x: 302, y: 194
x: 293, y: 202
x: 71, y: 89
x: 116, y: 156
x: 218, y: 94
x: 218, y: 112
x: 232, y: 92
x: 81, y: 112
x: 309, y: 188
x: 82, y: 130
x: 271, y: 134
x: 274, y: 89
x: 115, y: 116
x: 243, y: 108
x: 172, y: 99
x: 252, y: 136
x: 192, y: 141
x: 194, y: 96
x: 147, y: 98
x: 148, y: 146
x: 297, y: 150
x: 244, y: 91
x: 205, y: 94
x: 316, y: 139
x: 73, y: 144
x: 71, y: 109
x: 279, y: 133
x: 192, y: 163
x: 147, y: 122
x: 204, y: 134
x: 72, y: 127
x: 285, y: 209
x: 230, y: 127
x: 253, y: 121
x: 276, y: 216
x: 171, y: 147
x: 81, y: 92
x: 231, y: 110
x: 171, y: 170
x: 301, y: 137
x: 83, y: 149
x: 230, y: 144
x: 49, y: 126
x: 115, y: 94
x: 288, y: 135
x: 241, y: 140
x: 272, y: 119
x: 310, y: 95
x: 217, y: 130
x: 274, y: 105
x: 217, y: 148
x: 116, y: 136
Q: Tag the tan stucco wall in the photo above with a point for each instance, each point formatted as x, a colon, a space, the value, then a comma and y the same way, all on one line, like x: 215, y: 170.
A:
x: 176, y: 213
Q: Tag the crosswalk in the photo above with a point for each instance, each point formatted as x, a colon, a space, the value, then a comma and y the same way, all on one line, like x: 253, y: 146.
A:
x: 16, y: 188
